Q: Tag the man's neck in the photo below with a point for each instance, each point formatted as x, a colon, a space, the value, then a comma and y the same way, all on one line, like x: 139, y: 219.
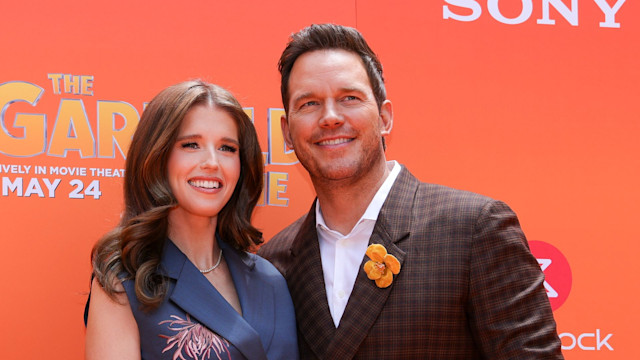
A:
x: 344, y: 202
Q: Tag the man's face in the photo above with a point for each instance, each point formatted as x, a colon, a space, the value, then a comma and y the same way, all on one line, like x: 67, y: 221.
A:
x: 333, y: 123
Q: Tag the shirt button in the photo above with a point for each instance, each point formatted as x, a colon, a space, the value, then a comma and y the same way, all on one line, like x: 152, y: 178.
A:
x: 341, y: 294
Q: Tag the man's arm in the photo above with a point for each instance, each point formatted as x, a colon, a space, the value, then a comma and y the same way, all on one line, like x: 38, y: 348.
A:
x: 510, y: 314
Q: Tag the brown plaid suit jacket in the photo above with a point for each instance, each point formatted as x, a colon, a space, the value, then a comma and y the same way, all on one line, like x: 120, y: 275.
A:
x: 469, y: 287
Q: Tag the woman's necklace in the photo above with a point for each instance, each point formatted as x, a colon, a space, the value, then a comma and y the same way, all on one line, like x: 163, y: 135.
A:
x: 206, y: 271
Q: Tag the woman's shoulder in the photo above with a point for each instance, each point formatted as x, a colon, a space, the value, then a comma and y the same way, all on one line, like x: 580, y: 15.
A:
x: 265, y: 269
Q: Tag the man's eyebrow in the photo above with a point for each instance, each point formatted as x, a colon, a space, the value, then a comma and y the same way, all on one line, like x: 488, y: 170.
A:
x: 352, y: 89
x: 302, y: 97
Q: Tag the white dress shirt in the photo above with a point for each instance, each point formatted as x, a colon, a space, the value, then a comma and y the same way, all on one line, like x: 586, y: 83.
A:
x: 342, y: 254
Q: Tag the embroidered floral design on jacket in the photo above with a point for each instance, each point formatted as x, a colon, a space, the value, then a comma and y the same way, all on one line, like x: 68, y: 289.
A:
x: 382, y: 266
x: 193, y: 340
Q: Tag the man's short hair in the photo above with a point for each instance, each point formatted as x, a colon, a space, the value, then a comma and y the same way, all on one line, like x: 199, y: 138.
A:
x: 330, y: 36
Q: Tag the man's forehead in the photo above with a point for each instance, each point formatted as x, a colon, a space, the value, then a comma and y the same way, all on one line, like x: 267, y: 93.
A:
x: 329, y: 63
x: 324, y: 54
x: 332, y: 70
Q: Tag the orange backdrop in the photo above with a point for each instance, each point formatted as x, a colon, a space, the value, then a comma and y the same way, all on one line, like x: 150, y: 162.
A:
x: 534, y: 102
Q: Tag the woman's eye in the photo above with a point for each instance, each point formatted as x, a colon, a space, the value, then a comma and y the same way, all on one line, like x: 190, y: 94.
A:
x: 189, y: 145
x: 229, y: 148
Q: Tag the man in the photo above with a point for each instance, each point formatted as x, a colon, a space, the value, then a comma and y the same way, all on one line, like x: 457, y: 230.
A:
x: 467, y: 286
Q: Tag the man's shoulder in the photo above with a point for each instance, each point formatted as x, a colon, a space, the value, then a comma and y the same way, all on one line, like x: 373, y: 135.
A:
x: 450, y: 193
x: 436, y: 196
x: 278, y: 248
x: 407, y: 180
x: 290, y: 232
x: 284, y: 238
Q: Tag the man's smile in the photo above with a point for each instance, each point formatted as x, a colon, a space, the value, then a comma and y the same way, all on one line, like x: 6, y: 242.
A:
x: 334, y: 141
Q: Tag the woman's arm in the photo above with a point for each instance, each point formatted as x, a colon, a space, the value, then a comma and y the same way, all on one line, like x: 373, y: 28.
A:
x: 112, y: 332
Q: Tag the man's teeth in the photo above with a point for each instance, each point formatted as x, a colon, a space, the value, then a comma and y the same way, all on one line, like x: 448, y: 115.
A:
x: 334, y: 141
x: 205, y: 184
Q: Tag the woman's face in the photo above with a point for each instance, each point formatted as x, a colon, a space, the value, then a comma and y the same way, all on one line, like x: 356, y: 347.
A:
x: 204, y: 164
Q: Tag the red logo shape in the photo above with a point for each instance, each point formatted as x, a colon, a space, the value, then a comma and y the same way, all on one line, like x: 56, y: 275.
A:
x: 556, y: 270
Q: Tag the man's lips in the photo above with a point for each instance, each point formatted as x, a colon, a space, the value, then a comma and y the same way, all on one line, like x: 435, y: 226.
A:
x: 336, y: 141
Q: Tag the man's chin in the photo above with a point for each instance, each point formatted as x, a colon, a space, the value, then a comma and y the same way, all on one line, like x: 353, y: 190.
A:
x: 336, y: 173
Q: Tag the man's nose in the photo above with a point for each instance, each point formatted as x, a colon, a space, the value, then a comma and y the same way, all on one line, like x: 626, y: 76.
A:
x: 331, y: 116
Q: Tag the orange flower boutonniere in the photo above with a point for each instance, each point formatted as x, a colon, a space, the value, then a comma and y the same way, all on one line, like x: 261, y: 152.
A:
x: 382, y: 266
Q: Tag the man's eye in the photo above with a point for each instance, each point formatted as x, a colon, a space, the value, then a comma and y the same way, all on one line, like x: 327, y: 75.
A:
x: 308, y: 103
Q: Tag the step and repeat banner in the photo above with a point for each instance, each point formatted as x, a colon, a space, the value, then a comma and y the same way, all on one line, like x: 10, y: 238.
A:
x: 534, y: 102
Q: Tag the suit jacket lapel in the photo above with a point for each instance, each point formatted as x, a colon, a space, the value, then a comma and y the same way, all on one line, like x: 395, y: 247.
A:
x: 367, y: 300
x: 306, y: 284
x: 198, y: 298
x: 255, y: 296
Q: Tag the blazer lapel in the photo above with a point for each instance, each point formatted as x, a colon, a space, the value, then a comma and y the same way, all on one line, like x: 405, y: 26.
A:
x: 306, y: 284
x: 367, y: 300
x: 255, y: 296
x: 198, y: 298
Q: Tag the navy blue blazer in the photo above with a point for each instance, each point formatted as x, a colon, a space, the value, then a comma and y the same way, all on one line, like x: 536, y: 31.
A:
x: 194, y: 320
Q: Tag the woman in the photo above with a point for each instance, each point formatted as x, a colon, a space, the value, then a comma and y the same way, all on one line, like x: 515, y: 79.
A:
x: 174, y: 280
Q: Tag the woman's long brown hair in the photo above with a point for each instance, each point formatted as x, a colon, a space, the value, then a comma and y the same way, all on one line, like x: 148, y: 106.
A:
x: 133, y: 249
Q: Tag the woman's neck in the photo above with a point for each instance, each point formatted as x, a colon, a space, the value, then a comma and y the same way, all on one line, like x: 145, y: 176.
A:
x: 195, y: 237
